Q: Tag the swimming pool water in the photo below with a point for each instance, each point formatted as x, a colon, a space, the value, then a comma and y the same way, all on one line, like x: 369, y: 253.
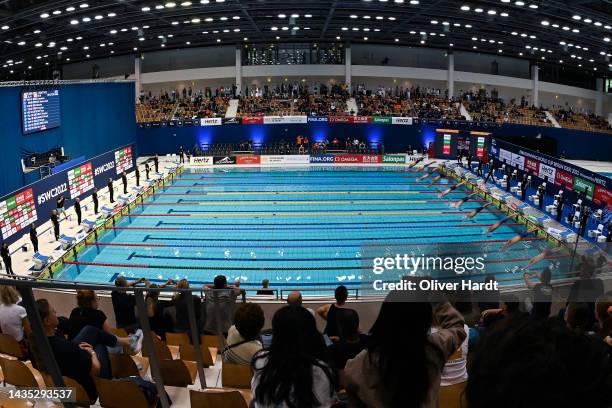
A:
x: 295, y: 227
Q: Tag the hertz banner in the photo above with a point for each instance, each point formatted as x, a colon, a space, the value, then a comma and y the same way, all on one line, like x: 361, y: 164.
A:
x: 36, y: 201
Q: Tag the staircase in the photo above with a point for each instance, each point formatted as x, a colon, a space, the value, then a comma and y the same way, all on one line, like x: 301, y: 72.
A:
x: 464, y: 112
x: 552, y: 119
x: 232, y: 109
x: 351, y: 105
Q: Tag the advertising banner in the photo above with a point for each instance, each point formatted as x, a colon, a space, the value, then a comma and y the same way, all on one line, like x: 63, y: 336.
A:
x: 371, y: 158
x: 223, y: 160
x: 201, y: 160
x: 252, y: 120
x: 563, y: 178
x: 340, y: 119
x: 505, y: 156
x: 320, y: 119
x: 396, y: 120
x: 381, y: 120
x: 211, y: 121
x: 322, y: 158
x: 290, y: 159
x: 518, y: 161
x: 348, y: 158
x: 603, y: 195
x: 533, y: 166
x: 231, y: 121
x: 275, y: 120
x: 35, y: 201
x: 446, y: 147
x: 248, y: 160
x: 394, y: 158
x: 581, y: 185
x: 480, y: 147
x: 361, y: 119
x: 547, y: 172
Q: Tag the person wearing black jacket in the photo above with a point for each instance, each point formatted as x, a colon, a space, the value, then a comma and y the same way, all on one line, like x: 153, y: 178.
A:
x: 560, y: 204
x: 137, y: 177
x: 34, y: 237
x: 111, y: 191
x: 77, y: 210
x: 156, y: 163
x: 469, y: 161
x: 124, y: 180
x: 56, y: 225
x: 584, y: 219
x: 6, y: 257
x: 541, y: 191
x: 147, y: 169
x: 609, y: 237
x: 523, y: 190
x: 479, y: 170
x: 94, y: 197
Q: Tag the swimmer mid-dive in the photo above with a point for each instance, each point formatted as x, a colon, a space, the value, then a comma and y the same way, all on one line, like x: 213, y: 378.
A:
x: 417, y: 161
x: 459, y: 203
x: 472, y: 214
x: 517, y: 238
x: 499, y: 223
x: 451, y: 188
x: 435, y: 180
x: 547, y: 253
x: 423, y: 166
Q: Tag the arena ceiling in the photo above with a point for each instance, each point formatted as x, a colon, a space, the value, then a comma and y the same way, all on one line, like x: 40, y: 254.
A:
x: 39, y: 33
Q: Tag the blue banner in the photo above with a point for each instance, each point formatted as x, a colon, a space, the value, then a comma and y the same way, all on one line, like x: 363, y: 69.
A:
x: 322, y: 158
x: 34, y: 203
x: 323, y: 119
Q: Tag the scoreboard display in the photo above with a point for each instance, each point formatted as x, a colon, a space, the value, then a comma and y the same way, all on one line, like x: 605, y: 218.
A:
x: 17, y: 212
x: 123, y: 159
x: 80, y: 180
x: 449, y: 142
x: 40, y: 110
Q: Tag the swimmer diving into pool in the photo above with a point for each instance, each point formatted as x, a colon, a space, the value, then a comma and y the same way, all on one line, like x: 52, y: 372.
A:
x: 417, y: 161
x: 451, y: 188
x: 435, y: 180
x: 465, y: 199
x: 547, y: 253
x: 517, y: 238
x: 423, y: 166
x: 476, y: 211
x: 499, y: 223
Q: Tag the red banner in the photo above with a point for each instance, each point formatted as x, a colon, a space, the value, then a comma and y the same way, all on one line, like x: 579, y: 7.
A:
x: 248, y: 160
x: 565, y: 179
x: 362, y: 119
x: 371, y: 158
x: 358, y: 158
x: 603, y: 196
x: 340, y: 119
x: 532, y: 166
x: 252, y: 120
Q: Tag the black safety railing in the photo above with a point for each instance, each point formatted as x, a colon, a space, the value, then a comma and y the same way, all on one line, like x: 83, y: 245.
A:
x: 25, y: 287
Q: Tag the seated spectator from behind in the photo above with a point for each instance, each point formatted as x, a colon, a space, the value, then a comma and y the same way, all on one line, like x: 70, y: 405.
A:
x: 243, y: 337
x: 219, y: 307
x: 295, y: 299
x: 159, y: 322
x: 488, y: 299
x: 455, y: 369
x: 350, y: 341
x: 87, y: 314
x: 293, y: 372
x: 403, y: 362
x: 510, y: 306
x: 577, y: 317
x: 265, y: 284
x: 179, y: 301
x: 533, y: 362
x: 84, y: 356
x: 603, y: 314
x: 13, y: 318
x: 124, y: 304
x: 542, y: 293
x: 329, y: 312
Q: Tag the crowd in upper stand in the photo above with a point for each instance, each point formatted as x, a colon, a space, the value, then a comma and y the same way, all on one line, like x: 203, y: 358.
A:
x: 498, y: 350
x: 299, y: 98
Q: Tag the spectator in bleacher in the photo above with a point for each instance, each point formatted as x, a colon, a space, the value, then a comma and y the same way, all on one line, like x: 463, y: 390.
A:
x: 84, y: 356
x: 403, y: 362
x: 219, y: 306
x: 179, y: 301
x: 577, y: 317
x: 295, y: 299
x: 243, y: 337
x: 488, y: 299
x: 13, y: 317
x: 603, y: 315
x: 124, y: 304
x: 159, y: 322
x: 293, y: 372
x: 350, y: 341
x: 329, y: 312
x: 542, y: 293
x: 265, y: 290
x: 587, y: 288
x: 5, y: 254
x: 34, y: 237
x: 531, y: 362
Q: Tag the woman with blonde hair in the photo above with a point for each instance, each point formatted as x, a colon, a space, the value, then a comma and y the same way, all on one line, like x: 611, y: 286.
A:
x: 13, y: 318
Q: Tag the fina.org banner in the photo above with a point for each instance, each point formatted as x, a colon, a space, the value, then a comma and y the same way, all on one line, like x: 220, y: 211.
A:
x: 277, y: 120
x: 211, y: 122
x: 395, y: 120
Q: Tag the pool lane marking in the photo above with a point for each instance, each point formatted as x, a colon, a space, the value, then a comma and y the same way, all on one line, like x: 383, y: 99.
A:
x: 395, y: 244
x: 296, y: 202
x: 279, y: 226
x: 171, y: 213
x: 212, y: 193
x: 299, y: 182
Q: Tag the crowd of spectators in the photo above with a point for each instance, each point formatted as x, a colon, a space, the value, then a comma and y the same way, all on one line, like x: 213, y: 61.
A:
x: 418, y: 346
x: 568, y: 118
